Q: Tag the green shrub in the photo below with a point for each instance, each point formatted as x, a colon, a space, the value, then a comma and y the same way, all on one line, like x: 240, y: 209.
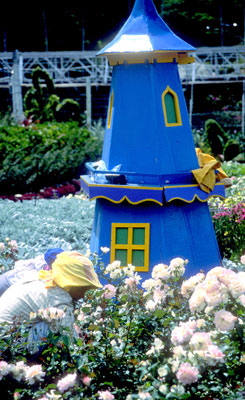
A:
x: 66, y: 109
x: 216, y: 136
x: 41, y: 102
x: 231, y: 150
x: 44, y: 154
x: 234, y: 168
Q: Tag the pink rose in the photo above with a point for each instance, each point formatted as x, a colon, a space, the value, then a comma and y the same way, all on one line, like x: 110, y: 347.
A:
x: 13, y: 245
x: 86, y: 380
x: 181, y: 334
x: 66, y: 382
x: 213, y: 355
x: 109, y: 291
x: 105, y: 395
x: 132, y: 281
x: 187, y: 374
x: 224, y: 320
x: 200, y: 340
x: 34, y: 373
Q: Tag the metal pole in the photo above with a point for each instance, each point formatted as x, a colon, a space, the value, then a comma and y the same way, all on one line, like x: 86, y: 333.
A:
x: 5, y: 42
x: 243, y: 106
x: 244, y: 26
x: 16, y: 88
x: 45, y: 30
x: 193, y: 77
x: 106, y: 70
x: 83, y: 38
x: 221, y: 26
x: 88, y: 102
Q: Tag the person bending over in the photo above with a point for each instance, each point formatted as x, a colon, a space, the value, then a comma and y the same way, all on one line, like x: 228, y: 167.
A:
x: 71, y: 275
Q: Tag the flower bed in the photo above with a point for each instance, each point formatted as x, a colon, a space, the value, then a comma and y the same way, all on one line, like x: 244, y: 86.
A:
x: 170, y: 338
x: 229, y: 216
x: 53, y: 192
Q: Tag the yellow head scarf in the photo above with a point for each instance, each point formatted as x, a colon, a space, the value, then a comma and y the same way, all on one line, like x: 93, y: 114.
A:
x: 73, y: 272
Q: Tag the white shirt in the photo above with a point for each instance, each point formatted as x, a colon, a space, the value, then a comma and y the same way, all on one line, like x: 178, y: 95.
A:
x: 20, y: 299
x: 26, y: 269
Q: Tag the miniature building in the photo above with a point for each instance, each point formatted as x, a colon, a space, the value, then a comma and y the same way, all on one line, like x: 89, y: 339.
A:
x: 152, y: 209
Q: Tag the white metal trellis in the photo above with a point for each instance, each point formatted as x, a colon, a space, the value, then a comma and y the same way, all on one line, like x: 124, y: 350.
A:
x: 216, y: 64
x: 66, y: 68
x: 76, y: 68
x: 73, y: 67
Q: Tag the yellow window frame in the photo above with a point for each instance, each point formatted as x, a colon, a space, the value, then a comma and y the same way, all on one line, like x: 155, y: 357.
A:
x: 110, y: 109
x: 130, y: 246
x: 176, y: 106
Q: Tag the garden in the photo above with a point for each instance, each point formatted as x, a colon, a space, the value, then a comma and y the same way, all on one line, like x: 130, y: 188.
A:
x: 166, y: 338
x: 170, y: 338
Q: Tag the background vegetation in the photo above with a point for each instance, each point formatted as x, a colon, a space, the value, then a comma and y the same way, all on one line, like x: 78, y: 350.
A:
x: 42, y: 155
x: 123, y: 349
x: 89, y: 25
x: 37, y: 226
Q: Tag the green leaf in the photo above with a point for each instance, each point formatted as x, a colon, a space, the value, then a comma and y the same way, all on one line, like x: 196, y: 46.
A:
x: 79, y: 342
x: 66, y: 340
x: 93, y: 327
x: 159, y: 313
x: 117, y: 323
x: 86, y: 309
x: 51, y: 386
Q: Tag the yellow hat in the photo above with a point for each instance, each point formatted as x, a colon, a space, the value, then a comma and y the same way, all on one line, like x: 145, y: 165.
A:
x: 73, y: 272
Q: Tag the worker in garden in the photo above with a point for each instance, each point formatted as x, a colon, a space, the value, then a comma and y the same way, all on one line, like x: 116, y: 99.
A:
x: 50, y: 296
x: 25, y: 269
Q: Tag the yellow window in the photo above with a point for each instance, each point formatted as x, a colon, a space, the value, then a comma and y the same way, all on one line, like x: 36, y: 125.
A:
x: 171, y: 108
x: 130, y: 244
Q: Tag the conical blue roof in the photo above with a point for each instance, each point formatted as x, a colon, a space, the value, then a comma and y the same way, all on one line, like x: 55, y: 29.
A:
x: 145, y: 31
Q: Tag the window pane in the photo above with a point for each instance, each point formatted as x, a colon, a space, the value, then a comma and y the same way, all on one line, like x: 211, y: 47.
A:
x: 139, y: 236
x: 122, y: 236
x: 138, y: 258
x: 170, y: 108
x: 121, y: 255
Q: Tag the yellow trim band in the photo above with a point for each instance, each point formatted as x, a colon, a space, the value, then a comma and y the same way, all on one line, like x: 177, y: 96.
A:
x: 183, y: 186
x: 195, y: 197
x: 125, y: 198
x: 151, y: 57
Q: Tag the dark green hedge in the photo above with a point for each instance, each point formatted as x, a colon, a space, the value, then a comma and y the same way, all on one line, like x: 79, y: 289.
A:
x: 45, y: 154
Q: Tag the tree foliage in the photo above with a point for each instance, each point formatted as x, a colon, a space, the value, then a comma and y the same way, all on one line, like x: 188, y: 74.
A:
x: 41, y: 103
x: 78, y: 26
x: 205, y: 22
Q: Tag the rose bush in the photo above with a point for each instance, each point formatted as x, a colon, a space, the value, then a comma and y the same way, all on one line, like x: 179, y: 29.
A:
x: 229, y: 216
x: 8, y: 254
x: 168, y: 338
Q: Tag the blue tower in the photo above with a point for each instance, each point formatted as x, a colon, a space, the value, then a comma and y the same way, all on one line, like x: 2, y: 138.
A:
x: 152, y: 209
